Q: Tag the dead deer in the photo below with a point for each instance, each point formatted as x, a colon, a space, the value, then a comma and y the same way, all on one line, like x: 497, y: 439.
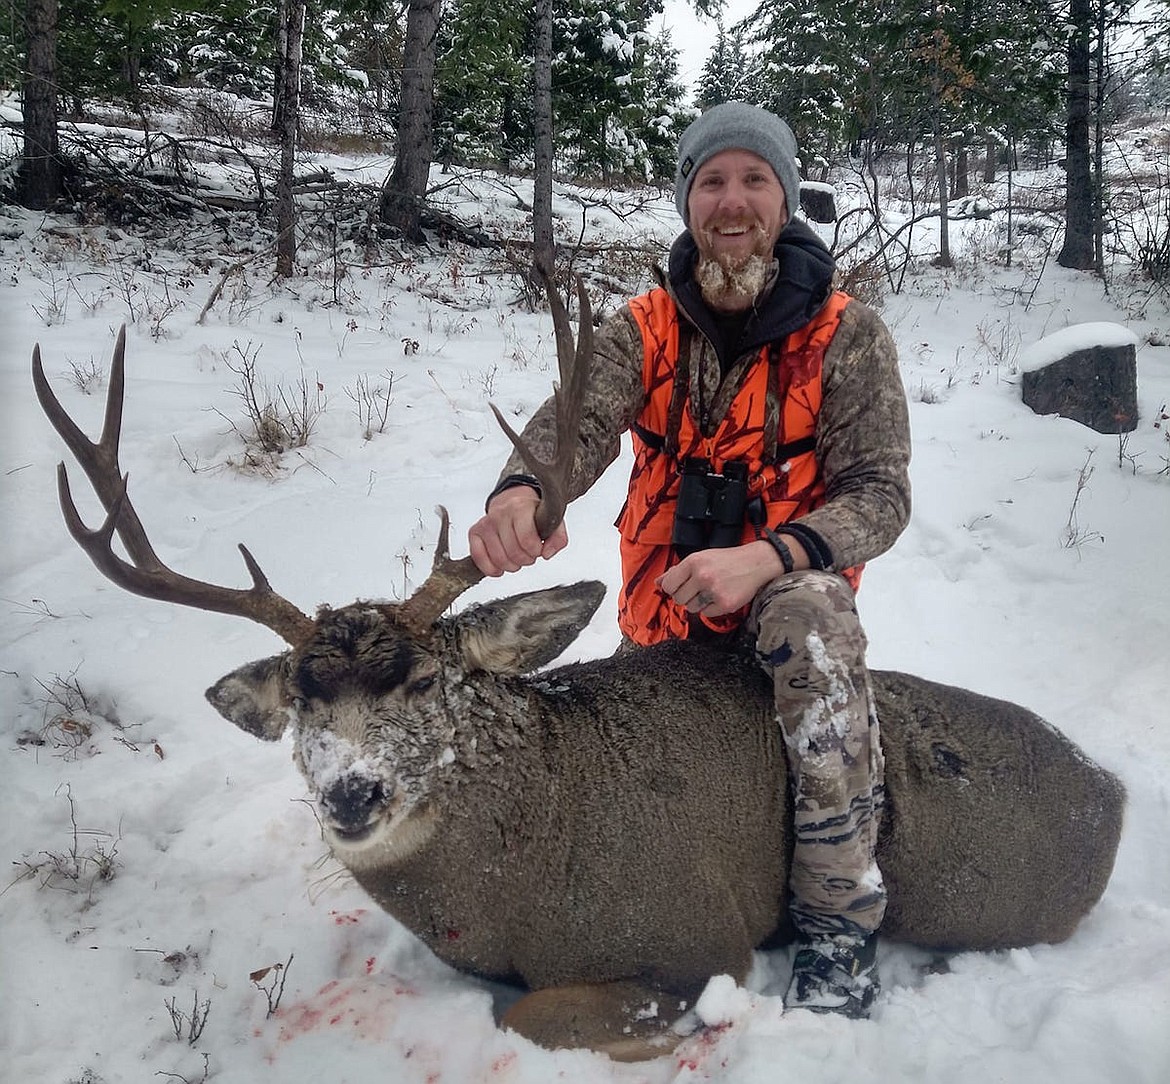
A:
x: 611, y: 834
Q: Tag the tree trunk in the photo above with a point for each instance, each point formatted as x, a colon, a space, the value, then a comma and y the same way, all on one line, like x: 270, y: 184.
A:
x: 940, y: 168
x: 40, y: 171
x: 278, y: 80
x: 543, y: 247
x: 405, y: 189
x: 1077, y: 251
x: 961, y: 186
x: 989, y: 162
x: 292, y: 18
x: 1100, y: 78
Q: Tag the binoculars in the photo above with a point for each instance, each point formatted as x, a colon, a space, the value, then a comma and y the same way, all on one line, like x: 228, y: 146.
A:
x: 710, y: 508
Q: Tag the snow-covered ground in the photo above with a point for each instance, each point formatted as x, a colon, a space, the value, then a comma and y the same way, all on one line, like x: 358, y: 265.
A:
x: 158, y: 858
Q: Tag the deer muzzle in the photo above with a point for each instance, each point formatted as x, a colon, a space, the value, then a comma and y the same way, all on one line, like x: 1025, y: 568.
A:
x: 354, y: 804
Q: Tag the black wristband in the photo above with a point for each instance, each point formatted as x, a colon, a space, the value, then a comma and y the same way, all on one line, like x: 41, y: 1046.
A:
x: 820, y: 557
x: 510, y: 482
x: 778, y: 544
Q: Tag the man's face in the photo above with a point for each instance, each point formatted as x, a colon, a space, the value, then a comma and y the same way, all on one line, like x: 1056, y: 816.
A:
x: 737, y: 210
x: 736, y: 207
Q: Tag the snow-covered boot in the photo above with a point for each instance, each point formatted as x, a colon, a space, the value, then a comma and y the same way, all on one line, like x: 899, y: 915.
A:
x: 835, y: 975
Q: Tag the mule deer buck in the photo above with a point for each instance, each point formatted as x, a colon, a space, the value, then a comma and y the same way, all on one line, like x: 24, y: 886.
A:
x: 612, y: 833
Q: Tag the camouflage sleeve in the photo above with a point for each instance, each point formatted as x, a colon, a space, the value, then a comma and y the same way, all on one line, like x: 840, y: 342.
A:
x: 863, y: 443
x: 612, y: 401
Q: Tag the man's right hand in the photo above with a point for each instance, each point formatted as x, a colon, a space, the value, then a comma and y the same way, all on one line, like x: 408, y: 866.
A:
x: 506, y: 539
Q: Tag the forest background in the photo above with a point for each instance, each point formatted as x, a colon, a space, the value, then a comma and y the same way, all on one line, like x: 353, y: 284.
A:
x: 592, y: 91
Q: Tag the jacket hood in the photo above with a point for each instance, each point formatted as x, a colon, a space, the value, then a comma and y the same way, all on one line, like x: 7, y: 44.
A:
x: 803, y: 282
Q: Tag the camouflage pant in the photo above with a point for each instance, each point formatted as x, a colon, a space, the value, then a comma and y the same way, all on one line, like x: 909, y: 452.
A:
x: 807, y: 635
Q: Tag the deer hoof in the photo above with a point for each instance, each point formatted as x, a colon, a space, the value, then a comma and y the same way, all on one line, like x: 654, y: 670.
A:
x: 624, y: 1020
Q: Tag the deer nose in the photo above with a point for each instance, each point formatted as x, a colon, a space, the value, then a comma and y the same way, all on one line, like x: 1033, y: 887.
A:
x: 353, y: 802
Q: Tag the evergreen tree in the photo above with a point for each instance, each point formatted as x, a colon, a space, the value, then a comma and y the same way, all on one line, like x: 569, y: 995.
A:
x: 40, y: 170
x: 594, y: 46
x: 810, y: 63
x: 617, y: 98
x: 663, y: 116
x: 729, y: 73
x: 483, y: 110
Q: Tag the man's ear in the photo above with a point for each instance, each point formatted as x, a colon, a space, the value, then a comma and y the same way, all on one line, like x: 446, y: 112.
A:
x: 255, y: 697
x: 519, y: 634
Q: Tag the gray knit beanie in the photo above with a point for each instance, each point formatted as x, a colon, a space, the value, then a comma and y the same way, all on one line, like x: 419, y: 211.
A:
x: 742, y: 127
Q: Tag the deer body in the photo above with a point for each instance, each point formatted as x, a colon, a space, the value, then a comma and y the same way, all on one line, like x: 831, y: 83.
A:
x: 627, y: 820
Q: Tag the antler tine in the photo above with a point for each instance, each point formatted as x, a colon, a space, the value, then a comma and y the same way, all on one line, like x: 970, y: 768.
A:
x: 144, y: 574
x: 568, y: 396
x: 100, y: 460
x: 449, y: 578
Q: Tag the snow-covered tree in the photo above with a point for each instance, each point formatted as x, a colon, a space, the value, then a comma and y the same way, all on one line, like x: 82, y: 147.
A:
x: 612, y: 117
x: 729, y: 73
x: 483, y: 95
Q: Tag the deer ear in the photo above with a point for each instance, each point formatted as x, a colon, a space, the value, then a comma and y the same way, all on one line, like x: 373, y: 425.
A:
x: 255, y: 697
x: 518, y: 634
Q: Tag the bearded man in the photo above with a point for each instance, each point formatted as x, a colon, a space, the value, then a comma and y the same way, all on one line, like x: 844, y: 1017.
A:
x: 771, y: 446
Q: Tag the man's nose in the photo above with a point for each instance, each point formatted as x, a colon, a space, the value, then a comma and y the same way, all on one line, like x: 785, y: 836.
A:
x: 733, y: 196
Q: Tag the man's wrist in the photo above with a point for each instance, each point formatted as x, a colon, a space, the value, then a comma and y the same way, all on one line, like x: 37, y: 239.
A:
x: 787, y: 559
x: 511, y: 481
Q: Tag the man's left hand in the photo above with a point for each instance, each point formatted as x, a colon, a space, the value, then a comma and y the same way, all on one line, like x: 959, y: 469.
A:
x: 721, y: 581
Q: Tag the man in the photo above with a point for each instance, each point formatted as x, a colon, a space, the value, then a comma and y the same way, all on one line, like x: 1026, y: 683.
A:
x: 745, y: 375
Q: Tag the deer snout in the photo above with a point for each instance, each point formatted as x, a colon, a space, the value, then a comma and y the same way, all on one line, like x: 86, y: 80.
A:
x: 354, y: 803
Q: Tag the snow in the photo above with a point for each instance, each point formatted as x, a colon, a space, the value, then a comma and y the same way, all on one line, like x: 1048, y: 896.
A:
x: 1071, y: 339
x: 158, y: 856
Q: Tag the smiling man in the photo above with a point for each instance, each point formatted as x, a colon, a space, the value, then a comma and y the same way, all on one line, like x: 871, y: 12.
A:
x: 771, y: 447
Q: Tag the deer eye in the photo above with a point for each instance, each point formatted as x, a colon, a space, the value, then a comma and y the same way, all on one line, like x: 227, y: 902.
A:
x: 421, y: 685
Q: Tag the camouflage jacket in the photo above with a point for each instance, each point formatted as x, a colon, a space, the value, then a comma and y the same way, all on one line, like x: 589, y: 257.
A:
x: 863, y: 432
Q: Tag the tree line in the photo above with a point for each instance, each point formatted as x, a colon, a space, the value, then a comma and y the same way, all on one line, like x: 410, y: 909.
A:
x: 592, y: 90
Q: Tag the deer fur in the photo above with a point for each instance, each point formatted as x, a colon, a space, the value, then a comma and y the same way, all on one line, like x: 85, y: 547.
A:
x: 611, y: 834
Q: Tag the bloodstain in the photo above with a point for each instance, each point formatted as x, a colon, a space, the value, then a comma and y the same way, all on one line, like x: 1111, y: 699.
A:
x: 705, y: 1042
x: 347, y: 918
x: 370, y: 961
x: 365, y: 1008
x: 453, y: 934
x: 503, y: 1061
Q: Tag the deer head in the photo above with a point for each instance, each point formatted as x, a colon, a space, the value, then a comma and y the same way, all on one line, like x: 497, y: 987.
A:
x: 374, y: 690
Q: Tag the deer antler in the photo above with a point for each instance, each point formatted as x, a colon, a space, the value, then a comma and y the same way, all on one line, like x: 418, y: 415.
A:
x: 449, y: 578
x: 144, y: 574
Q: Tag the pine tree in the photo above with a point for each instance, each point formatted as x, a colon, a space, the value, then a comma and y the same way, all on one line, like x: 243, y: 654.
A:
x: 663, y: 117
x: 729, y: 73
x: 811, y: 65
x: 594, y: 48
x: 483, y: 110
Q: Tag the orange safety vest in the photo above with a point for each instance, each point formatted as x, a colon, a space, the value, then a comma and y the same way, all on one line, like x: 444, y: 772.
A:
x: 790, y: 487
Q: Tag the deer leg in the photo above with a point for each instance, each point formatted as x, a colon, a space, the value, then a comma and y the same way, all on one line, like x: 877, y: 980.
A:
x: 625, y: 1020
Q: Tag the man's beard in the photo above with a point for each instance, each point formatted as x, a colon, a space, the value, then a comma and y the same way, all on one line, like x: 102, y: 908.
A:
x: 730, y: 283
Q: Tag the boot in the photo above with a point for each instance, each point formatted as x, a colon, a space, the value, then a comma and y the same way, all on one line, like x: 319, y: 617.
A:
x: 835, y: 975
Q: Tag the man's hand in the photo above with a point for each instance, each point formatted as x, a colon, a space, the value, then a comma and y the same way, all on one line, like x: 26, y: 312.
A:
x: 721, y: 581
x: 506, y: 539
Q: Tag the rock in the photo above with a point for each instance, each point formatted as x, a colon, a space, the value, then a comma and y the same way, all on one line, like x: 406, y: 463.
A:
x: 1087, y: 372
x: 818, y: 201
